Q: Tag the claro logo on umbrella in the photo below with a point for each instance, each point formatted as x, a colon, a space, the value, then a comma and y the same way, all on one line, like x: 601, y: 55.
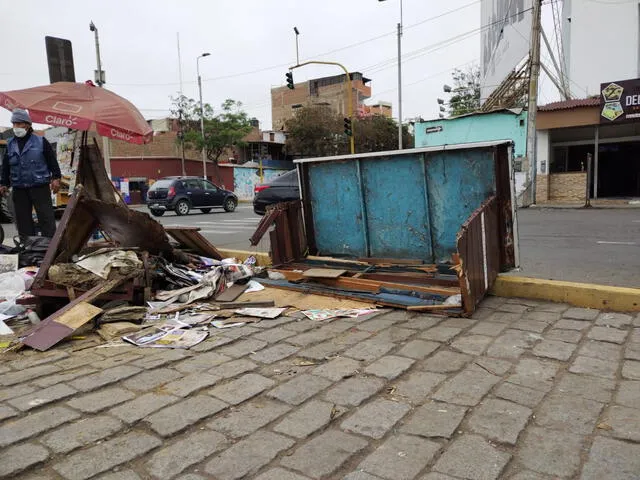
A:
x: 68, y: 122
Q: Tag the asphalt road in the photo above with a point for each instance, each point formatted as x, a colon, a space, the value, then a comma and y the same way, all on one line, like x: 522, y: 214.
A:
x: 593, y: 246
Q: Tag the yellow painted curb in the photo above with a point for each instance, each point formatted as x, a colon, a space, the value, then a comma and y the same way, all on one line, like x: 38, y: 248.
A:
x: 262, y: 259
x: 603, y: 297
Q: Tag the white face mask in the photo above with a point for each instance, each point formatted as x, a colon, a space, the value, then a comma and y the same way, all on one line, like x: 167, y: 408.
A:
x: 19, y: 132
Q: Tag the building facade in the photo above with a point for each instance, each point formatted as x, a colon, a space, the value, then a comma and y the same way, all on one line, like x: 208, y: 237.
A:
x: 328, y: 91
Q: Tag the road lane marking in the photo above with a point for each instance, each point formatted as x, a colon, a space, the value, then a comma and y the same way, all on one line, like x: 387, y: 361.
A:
x: 616, y: 243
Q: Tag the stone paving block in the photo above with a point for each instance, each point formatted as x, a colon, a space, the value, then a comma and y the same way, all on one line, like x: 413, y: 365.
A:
x: 551, y: 452
x: 568, y: 413
x: 608, y: 334
x: 151, y: 379
x: 266, y: 323
x: 504, y: 317
x: 64, y: 376
x: 242, y: 347
x: 211, y: 343
x: 440, y: 334
x: 395, y: 334
x: 162, y: 358
x: 572, y: 324
x: 83, y: 432
x: 628, y: 394
x: 494, y: 366
x: 94, y: 402
x: 602, y: 350
x: 609, y: 459
x: 321, y: 351
x: 34, y: 424
x: 437, y: 476
x: 15, y: 391
x: 445, y: 361
x: 529, y: 325
x: 201, y: 362
x: 462, y: 323
x: 190, y: 383
x: 338, y: 368
x: 273, y: 354
x: 104, y: 377
x: 28, y: 361
x: 546, y: 317
x: 554, y: 349
x: 491, y: 329
x: 241, y: 389
x: 513, y: 308
x: 360, y: 475
x: 176, y: 458
x: 42, y: 397
x: 512, y: 344
x: 467, y: 387
x: 570, y: 336
x: 239, y: 332
x: 353, y: 391
x: 389, y: 367
x: 499, y: 420
x: 534, y: 373
x: 140, y: 407
x: 472, y: 344
x: 177, y: 417
x: 377, y: 324
x: 308, y: 338
x: 585, y: 386
x: 434, y: 419
x: 16, y: 459
x: 616, y: 320
x: 273, y: 335
x: 519, y: 394
x: 324, y: 454
x: 280, y: 474
x: 7, y: 412
x: 529, y: 475
x: 493, y: 302
x: 472, y: 457
x: 78, y: 359
x: 337, y: 326
x: 376, y: 418
x: 310, y: 417
x: 417, y: 386
x: 247, y: 456
x: 631, y: 370
x: 126, y: 475
x: 21, y: 376
x: 594, y: 366
x: 632, y: 352
x: 247, y: 418
x: 121, y: 359
x: 624, y: 421
x: 581, y: 313
x: 351, y: 337
x: 401, y: 457
x: 299, y: 389
x: 302, y: 325
x: 122, y: 449
x: 423, y: 322
x: 551, y: 307
x: 234, y: 368
x: 369, y: 350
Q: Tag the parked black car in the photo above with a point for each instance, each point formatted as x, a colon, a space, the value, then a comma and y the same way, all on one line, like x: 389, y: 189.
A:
x: 181, y: 194
x: 284, y: 188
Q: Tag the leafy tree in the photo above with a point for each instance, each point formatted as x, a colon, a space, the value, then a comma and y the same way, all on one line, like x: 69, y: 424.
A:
x: 317, y: 131
x: 222, y: 131
x: 465, y: 94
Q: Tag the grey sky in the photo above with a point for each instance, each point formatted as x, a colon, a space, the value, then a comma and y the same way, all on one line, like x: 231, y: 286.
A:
x: 139, y: 52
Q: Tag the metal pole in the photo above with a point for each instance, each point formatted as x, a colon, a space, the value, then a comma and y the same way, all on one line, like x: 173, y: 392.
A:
x: 106, y: 153
x: 562, y: 88
x: 596, y: 152
x: 587, y: 199
x: 534, y: 57
x: 400, y: 80
x: 204, y: 153
x: 297, y: 51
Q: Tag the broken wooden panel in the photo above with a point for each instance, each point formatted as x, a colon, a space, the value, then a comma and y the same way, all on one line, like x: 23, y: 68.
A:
x: 191, y: 238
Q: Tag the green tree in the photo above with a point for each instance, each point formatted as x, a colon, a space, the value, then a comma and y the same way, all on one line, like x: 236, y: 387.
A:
x: 465, y: 94
x: 377, y: 133
x: 223, y: 130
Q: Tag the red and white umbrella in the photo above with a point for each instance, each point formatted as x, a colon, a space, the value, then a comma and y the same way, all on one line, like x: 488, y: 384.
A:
x: 81, y: 106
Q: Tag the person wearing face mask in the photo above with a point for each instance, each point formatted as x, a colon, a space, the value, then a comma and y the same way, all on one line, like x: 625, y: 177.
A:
x: 30, y: 167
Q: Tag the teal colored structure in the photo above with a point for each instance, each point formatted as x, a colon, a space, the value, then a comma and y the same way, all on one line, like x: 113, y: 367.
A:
x: 476, y: 127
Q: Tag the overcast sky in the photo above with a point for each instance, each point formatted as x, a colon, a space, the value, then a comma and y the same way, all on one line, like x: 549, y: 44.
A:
x: 139, y: 47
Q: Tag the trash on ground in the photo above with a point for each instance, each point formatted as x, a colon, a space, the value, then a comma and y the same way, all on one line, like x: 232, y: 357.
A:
x: 8, y: 263
x: 166, y: 336
x: 261, y: 312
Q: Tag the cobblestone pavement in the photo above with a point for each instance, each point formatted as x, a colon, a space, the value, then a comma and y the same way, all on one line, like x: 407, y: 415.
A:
x: 523, y: 391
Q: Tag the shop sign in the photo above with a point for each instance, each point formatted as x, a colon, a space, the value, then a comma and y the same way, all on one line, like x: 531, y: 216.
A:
x: 620, y: 101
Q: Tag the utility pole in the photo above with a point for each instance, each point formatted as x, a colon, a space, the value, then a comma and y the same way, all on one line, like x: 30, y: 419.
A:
x: 399, y: 78
x: 180, y: 124
x: 100, y: 80
x: 534, y: 75
x: 204, y: 153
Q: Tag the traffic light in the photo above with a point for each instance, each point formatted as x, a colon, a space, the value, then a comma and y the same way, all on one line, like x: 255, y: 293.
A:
x: 347, y: 127
x: 289, y: 76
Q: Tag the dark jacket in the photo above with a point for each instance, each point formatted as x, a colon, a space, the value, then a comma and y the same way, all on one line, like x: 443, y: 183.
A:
x: 29, y: 162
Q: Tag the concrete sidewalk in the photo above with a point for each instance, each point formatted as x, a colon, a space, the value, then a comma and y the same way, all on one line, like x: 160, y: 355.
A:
x: 523, y: 390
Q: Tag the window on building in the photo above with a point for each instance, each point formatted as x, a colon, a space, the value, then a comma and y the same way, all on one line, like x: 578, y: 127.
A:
x: 571, y: 158
x: 296, y: 105
x: 272, y: 137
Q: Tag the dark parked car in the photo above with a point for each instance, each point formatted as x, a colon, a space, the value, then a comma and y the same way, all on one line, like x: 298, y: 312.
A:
x: 181, y: 194
x: 284, y: 188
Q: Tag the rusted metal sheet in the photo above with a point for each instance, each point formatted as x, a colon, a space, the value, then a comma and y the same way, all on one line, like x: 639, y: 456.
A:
x: 478, y: 244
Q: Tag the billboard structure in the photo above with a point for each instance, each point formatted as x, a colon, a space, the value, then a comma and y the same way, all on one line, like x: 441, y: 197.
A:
x: 506, y: 30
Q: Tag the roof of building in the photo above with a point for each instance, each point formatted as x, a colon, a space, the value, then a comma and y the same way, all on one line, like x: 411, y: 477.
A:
x: 569, y: 104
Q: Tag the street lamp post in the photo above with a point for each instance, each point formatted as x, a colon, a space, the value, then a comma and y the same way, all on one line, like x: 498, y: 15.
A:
x: 204, y: 153
x: 399, y: 78
x: 100, y: 81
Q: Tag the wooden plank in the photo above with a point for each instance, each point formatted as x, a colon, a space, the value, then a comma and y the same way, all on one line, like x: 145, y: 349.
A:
x: 324, y: 273
x: 78, y: 315
x: 191, y: 238
x: 231, y: 293
x: 391, y: 261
